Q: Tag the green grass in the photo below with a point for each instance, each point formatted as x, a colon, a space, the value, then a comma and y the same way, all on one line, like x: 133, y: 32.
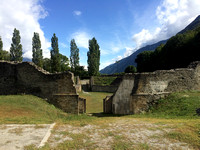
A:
x: 76, y: 143
x: 177, y: 105
x: 98, y: 80
x: 94, y: 101
x: 176, y: 112
x: 31, y: 109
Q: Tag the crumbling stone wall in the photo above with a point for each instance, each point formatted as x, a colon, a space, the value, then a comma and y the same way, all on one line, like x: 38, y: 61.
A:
x: 137, y: 91
x: 25, y: 77
x: 105, y: 88
x: 78, y: 84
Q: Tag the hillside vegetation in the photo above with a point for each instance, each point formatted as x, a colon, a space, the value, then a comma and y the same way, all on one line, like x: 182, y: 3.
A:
x: 178, y: 52
x: 177, y: 105
x: 120, y: 66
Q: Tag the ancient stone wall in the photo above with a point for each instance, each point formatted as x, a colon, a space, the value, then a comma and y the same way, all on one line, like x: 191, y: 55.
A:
x: 137, y: 91
x: 107, y: 104
x: 106, y: 88
x: 78, y: 84
x: 82, y: 105
x: 101, y: 88
x: 27, y: 78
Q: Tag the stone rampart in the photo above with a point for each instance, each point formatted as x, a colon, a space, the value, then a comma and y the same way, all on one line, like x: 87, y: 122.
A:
x: 27, y: 78
x: 105, y: 88
x: 137, y: 91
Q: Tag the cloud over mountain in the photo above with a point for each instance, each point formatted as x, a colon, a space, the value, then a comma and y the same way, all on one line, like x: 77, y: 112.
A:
x: 173, y: 16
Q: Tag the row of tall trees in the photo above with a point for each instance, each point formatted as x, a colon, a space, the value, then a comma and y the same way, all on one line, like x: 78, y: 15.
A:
x: 57, y: 61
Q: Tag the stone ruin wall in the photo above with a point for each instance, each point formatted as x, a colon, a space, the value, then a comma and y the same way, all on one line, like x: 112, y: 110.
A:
x: 137, y: 92
x: 27, y: 78
x: 105, y: 88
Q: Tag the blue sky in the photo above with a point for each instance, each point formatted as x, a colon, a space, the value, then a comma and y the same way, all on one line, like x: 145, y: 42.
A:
x: 111, y: 22
x: 120, y: 26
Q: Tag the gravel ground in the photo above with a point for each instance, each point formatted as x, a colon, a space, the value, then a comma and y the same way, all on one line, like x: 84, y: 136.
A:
x: 15, y: 137
x: 100, y: 136
x: 104, y: 136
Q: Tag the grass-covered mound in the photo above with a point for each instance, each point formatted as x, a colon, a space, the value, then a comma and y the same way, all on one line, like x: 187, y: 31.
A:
x: 94, y: 101
x: 177, y: 105
x: 31, y: 109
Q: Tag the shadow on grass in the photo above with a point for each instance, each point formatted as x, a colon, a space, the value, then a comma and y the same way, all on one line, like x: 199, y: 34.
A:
x: 101, y: 114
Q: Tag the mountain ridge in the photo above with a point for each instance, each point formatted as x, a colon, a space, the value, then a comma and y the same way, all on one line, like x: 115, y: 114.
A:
x: 130, y: 60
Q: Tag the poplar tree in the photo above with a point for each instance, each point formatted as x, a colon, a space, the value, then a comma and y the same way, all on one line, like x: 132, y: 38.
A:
x: 47, y: 64
x: 16, y: 47
x: 1, y: 49
x: 93, y: 57
x: 37, y: 51
x: 1, y: 44
x: 64, y: 63
x: 55, y: 57
x: 74, y: 55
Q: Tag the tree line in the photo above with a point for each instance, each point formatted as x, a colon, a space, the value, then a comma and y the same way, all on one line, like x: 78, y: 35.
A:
x: 179, y: 51
x: 57, y: 61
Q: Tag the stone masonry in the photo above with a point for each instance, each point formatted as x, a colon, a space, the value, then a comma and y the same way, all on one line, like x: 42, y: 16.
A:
x: 27, y: 78
x: 137, y: 92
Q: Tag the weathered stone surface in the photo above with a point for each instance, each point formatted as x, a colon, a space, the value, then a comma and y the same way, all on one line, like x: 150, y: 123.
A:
x: 82, y: 105
x: 101, y: 88
x: 137, y: 91
x: 27, y: 78
x: 106, y: 88
x: 78, y: 84
x: 107, y: 104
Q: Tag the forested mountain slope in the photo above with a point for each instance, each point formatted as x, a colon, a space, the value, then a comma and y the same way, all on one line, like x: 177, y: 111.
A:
x: 130, y: 60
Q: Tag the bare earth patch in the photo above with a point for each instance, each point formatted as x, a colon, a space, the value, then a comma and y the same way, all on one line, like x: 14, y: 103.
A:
x: 129, y: 132
x: 123, y: 133
x: 15, y: 137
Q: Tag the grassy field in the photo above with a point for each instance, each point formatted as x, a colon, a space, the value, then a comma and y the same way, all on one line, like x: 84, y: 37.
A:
x: 98, y: 80
x: 94, y: 101
x: 177, y: 105
x: 172, y: 120
x: 27, y: 109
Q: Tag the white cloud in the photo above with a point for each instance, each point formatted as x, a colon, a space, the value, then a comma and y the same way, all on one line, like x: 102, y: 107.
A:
x: 129, y: 51
x: 117, y: 59
x: 81, y: 39
x: 105, y: 64
x: 142, y: 36
x: 63, y: 45
x: 109, y: 62
x: 23, y: 15
x: 77, y: 13
x: 173, y: 16
x: 104, y: 52
x: 115, y: 49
